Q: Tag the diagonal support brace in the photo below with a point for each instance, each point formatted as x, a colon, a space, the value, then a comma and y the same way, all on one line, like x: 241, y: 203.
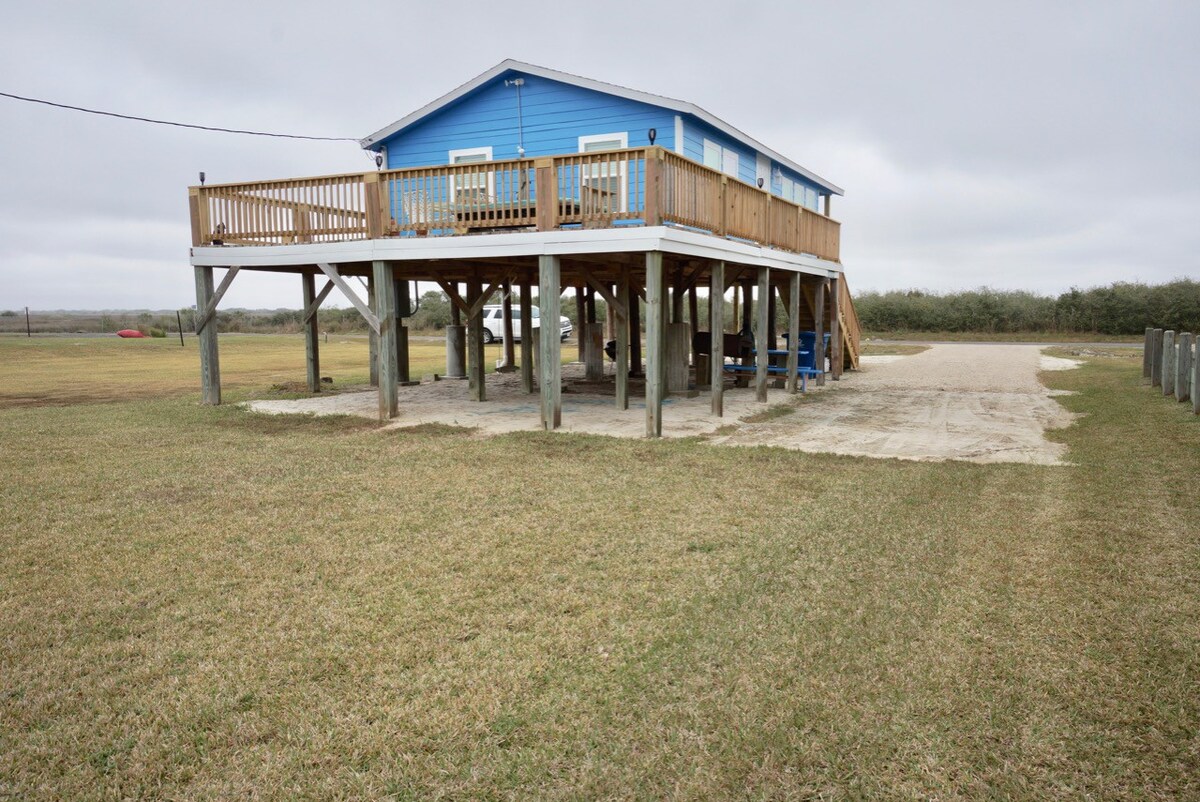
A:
x: 331, y: 272
x: 211, y: 310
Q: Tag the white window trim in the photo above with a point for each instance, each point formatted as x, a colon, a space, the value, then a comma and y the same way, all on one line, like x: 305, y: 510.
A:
x: 485, y: 152
x: 487, y: 156
x: 623, y: 138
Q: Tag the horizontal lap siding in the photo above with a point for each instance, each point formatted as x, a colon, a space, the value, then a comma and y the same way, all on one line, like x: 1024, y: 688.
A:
x: 696, y: 131
x: 554, y: 116
x: 694, y: 134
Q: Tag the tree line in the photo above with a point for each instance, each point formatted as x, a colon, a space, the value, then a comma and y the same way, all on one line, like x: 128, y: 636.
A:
x: 1119, y: 308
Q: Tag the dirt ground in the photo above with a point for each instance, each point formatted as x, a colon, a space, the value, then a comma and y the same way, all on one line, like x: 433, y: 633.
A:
x: 980, y: 403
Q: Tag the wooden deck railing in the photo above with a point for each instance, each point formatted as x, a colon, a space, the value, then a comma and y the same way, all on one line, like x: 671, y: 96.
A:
x: 592, y: 190
x: 851, y: 328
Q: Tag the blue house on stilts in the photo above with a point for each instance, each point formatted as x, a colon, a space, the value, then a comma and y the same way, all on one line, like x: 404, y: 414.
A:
x: 530, y: 177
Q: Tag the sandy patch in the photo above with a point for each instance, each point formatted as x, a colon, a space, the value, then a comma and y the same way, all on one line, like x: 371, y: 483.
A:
x: 980, y: 403
x: 588, y: 408
x: 1058, y: 363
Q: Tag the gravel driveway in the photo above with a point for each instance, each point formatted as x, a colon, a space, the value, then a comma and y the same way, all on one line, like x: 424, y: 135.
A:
x: 981, y: 403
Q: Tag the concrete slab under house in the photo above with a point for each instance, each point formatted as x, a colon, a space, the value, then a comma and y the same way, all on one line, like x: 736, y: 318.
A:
x: 535, y: 180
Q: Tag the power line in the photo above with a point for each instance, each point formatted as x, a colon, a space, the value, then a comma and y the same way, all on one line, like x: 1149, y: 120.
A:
x: 176, y: 124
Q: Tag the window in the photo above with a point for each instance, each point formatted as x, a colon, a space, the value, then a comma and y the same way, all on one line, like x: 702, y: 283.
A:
x: 602, y: 184
x: 788, y: 191
x: 712, y: 154
x: 472, y: 187
x: 720, y: 158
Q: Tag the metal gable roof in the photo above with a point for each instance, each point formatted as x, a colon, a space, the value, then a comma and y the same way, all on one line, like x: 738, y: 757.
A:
x: 679, y: 106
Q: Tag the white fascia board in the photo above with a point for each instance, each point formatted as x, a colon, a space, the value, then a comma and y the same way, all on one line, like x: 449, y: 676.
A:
x: 533, y: 243
x: 706, y: 246
x: 598, y: 86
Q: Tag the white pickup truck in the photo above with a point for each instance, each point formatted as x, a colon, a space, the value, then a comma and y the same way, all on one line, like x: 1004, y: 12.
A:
x: 493, y: 323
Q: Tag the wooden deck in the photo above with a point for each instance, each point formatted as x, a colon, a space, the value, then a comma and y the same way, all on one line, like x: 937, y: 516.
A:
x: 636, y: 186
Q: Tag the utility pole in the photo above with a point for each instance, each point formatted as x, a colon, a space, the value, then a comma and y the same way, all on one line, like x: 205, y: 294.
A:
x: 28, y: 331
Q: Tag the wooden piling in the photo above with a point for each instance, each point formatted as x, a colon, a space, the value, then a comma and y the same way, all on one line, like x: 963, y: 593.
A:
x: 1195, y: 388
x: 1183, y: 367
x: 210, y: 364
x: 793, y: 338
x: 1168, y: 363
x: 580, y: 318
x: 621, y: 324
x: 591, y: 334
x: 312, y: 347
x: 475, y: 356
x: 655, y: 341
x: 1156, y: 359
x: 372, y: 336
x: 549, y: 345
x: 835, y: 329
x: 635, y: 332
x: 456, y: 352
x: 819, y: 330
x: 1147, y: 355
x: 716, y: 327
x: 507, y: 322
x: 761, y: 341
x: 527, y: 335
x: 385, y: 311
x: 679, y: 339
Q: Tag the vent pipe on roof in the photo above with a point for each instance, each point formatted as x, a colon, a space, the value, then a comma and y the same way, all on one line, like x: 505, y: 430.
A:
x: 518, y: 83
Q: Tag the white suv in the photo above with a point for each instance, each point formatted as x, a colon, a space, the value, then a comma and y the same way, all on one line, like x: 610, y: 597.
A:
x: 493, y: 323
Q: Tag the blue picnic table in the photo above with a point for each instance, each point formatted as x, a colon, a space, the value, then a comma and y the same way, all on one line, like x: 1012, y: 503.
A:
x: 780, y: 370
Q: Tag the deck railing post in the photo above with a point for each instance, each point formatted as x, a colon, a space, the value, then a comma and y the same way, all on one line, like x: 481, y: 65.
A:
x: 654, y: 186
x: 546, y: 189
x: 766, y: 229
x: 723, y: 223
x: 194, y: 204
x: 373, y: 204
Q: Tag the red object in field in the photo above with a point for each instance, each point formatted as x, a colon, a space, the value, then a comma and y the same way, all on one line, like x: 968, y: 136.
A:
x: 130, y: 333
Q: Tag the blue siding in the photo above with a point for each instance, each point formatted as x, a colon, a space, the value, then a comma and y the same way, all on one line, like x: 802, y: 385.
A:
x: 777, y: 183
x: 696, y: 131
x: 554, y: 116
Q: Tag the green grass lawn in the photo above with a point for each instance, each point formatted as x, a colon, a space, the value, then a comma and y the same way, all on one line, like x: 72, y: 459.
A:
x: 208, y: 603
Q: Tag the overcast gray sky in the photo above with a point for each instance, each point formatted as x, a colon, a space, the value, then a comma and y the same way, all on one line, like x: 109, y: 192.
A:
x: 1018, y: 145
